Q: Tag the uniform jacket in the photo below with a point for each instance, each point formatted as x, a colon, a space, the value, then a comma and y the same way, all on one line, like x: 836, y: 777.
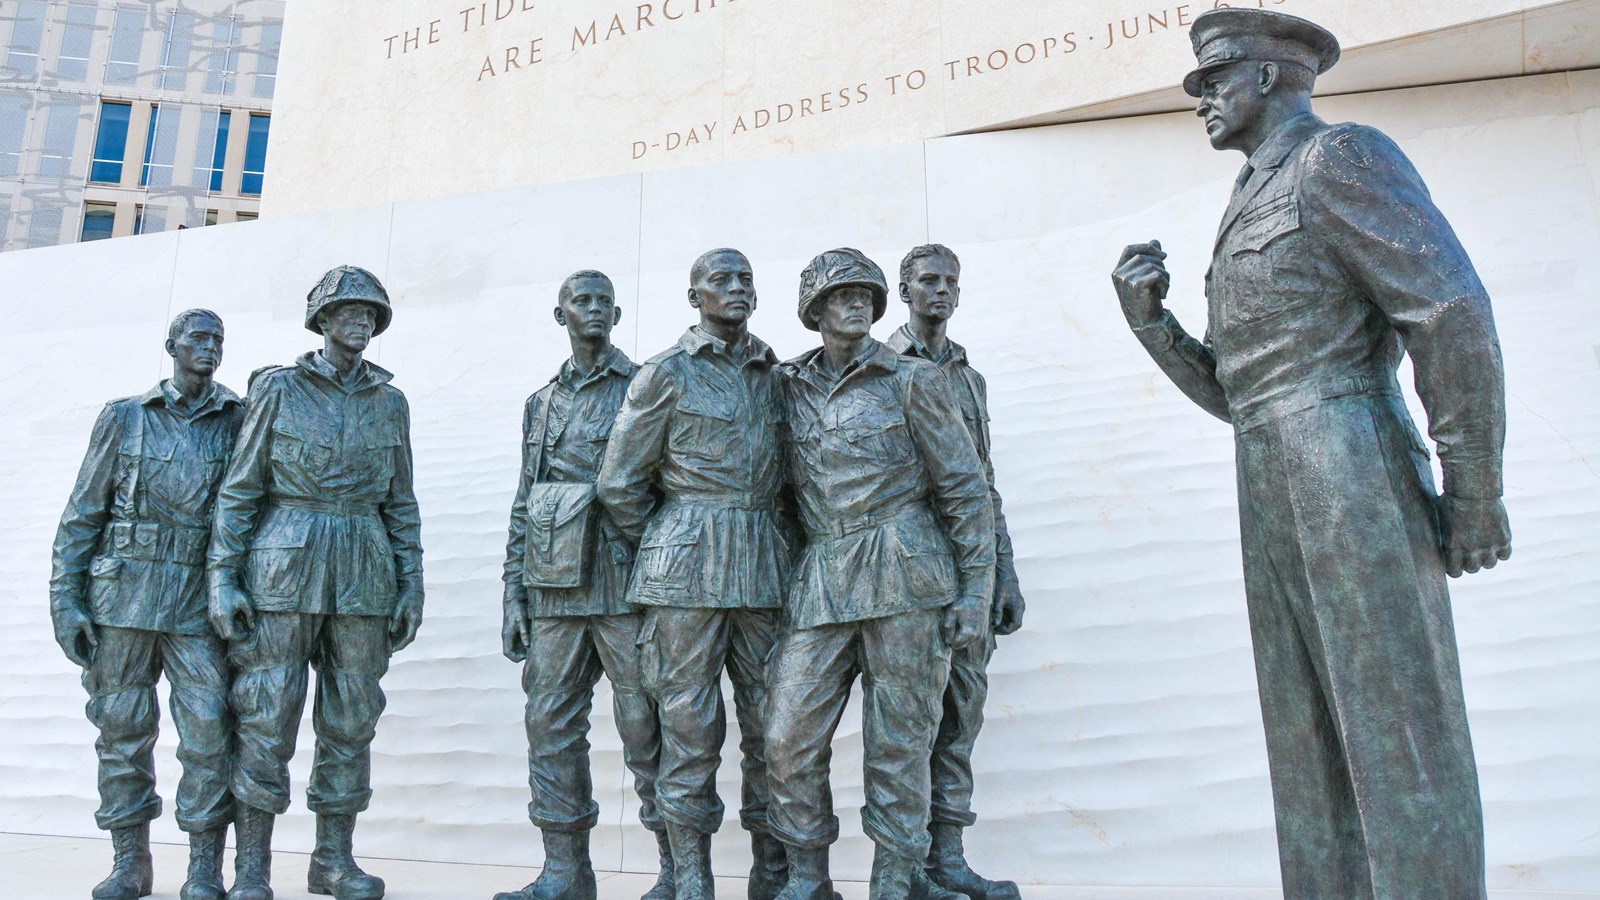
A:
x: 317, y: 512
x: 130, y: 549
x: 1330, y: 262
x: 695, y: 474
x: 890, y: 488
x: 565, y: 427
x: 972, y: 394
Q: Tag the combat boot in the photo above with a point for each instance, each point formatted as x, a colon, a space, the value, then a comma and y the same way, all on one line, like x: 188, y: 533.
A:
x: 333, y: 868
x: 808, y: 875
x: 252, y: 863
x: 691, y: 863
x: 769, y: 869
x: 131, y: 873
x: 896, y: 877
x: 205, y: 865
x: 568, y: 874
x: 665, y: 887
x: 947, y: 867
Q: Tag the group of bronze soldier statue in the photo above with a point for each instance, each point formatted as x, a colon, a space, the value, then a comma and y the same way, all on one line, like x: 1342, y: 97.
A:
x: 799, y: 524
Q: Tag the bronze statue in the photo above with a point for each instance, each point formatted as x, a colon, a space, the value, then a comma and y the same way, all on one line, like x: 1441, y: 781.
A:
x: 897, y: 571
x: 1330, y: 263
x: 127, y: 600
x: 930, y: 284
x: 694, y: 473
x: 567, y: 618
x: 316, y: 558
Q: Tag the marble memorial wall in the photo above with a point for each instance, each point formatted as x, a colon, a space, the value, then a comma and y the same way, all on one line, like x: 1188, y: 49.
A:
x: 1124, y: 743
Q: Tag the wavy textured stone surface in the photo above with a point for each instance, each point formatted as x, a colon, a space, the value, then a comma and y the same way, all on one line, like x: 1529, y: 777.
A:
x: 1124, y: 743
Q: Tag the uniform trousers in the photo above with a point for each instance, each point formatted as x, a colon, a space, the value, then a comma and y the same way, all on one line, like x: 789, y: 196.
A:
x: 959, y: 725
x: 350, y: 654
x: 1373, y: 779
x: 566, y: 655
x: 904, y: 664
x: 121, y: 681
x: 684, y: 653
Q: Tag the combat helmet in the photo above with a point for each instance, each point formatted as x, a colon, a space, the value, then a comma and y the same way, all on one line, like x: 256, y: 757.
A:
x: 835, y: 269
x: 348, y: 283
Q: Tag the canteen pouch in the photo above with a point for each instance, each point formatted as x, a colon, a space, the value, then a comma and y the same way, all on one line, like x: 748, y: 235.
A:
x: 563, y: 528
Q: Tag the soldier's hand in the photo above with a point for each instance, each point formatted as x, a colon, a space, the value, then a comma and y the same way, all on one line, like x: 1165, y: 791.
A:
x: 75, y: 633
x: 232, y: 616
x: 514, y: 631
x: 1475, y: 533
x: 405, y: 621
x: 1142, y: 280
x: 1008, y: 609
x: 964, y: 621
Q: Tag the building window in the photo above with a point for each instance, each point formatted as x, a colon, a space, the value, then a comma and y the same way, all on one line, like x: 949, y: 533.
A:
x: 77, y: 37
x: 245, y: 217
x: 110, y: 143
x: 127, y: 40
x: 219, y: 150
x: 60, y: 134
x: 255, y: 154
x: 13, y: 122
x: 175, y: 53
x: 98, y: 219
x: 27, y: 30
x: 149, y: 145
x: 220, y: 61
x: 267, y: 64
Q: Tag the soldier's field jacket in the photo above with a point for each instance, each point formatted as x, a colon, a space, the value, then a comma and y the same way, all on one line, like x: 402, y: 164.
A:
x: 972, y: 394
x: 694, y: 473
x: 565, y: 427
x: 890, y: 488
x: 317, y: 513
x: 130, y: 549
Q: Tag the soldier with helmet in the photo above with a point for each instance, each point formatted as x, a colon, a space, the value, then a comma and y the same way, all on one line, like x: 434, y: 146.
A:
x: 127, y: 599
x: 316, y: 559
x: 897, y: 571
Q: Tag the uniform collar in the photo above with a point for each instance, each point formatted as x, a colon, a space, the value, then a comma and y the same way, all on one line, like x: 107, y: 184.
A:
x: 1289, y: 135
x: 164, y: 393
x: 370, y: 375
x: 874, y: 355
x: 612, y: 362
x: 906, y: 342
x: 752, y: 348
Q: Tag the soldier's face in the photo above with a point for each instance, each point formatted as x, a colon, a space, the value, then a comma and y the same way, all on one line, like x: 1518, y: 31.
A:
x: 350, y: 325
x: 589, y: 311
x: 199, y: 348
x: 933, y: 288
x: 726, y: 292
x: 846, y: 313
x: 1230, y: 101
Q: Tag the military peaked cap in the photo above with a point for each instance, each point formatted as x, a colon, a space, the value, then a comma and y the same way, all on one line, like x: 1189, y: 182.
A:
x: 1225, y: 36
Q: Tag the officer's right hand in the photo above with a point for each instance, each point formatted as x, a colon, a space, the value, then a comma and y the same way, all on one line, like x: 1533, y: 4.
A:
x: 514, y: 631
x: 1142, y: 280
x: 75, y: 633
x: 231, y: 614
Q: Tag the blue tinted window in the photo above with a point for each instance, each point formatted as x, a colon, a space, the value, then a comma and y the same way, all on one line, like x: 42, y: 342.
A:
x: 219, y: 152
x: 149, y: 145
x: 97, y: 222
x: 255, y: 155
x: 110, y: 143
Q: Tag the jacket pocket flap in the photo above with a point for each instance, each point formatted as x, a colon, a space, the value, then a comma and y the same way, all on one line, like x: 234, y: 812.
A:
x: 554, y: 504
x: 687, y: 534
x: 284, y: 533
x: 104, y: 567
x: 698, y: 404
x: 1266, y: 221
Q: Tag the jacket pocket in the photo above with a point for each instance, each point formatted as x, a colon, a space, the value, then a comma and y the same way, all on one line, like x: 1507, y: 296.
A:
x: 665, y: 567
x: 925, y: 558
x: 276, y: 564
x: 104, y: 578
x: 704, y: 427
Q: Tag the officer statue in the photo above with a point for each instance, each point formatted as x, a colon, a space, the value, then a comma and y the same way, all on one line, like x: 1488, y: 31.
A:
x: 316, y: 558
x: 1330, y: 263
x: 127, y: 600
x: 930, y: 284
x: 567, y: 618
x: 897, y: 572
